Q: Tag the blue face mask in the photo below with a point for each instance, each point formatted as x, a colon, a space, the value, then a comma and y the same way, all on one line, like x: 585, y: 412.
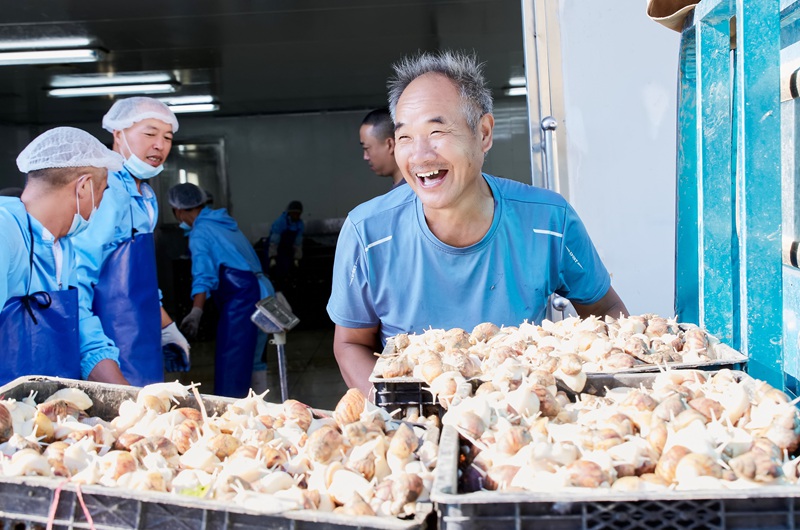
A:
x: 185, y: 227
x: 79, y: 224
x: 138, y: 167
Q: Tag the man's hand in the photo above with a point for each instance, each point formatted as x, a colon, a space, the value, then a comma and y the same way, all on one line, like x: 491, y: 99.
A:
x: 296, y: 263
x: 272, y: 262
x: 191, y: 323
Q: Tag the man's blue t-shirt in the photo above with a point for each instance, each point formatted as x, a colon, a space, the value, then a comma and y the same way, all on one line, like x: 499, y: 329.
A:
x: 390, y: 270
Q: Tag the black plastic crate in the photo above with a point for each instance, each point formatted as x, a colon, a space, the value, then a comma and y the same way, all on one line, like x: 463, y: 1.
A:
x: 26, y: 502
x: 766, y: 507
x: 399, y: 397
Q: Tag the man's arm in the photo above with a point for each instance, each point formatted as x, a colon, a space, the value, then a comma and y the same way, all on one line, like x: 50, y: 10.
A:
x: 107, y: 371
x: 355, y: 352
x: 611, y: 304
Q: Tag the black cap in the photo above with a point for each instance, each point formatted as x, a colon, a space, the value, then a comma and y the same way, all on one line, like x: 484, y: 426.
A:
x: 295, y: 206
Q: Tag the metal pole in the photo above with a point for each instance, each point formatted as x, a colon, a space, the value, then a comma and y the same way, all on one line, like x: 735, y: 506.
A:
x: 279, y: 340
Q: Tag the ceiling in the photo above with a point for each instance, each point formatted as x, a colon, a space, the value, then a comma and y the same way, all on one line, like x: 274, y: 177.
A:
x: 256, y: 56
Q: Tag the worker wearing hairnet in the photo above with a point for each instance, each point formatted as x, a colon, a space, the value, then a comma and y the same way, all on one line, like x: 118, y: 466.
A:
x: 39, y: 324
x: 117, y: 263
x: 286, y: 243
x: 225, y: 266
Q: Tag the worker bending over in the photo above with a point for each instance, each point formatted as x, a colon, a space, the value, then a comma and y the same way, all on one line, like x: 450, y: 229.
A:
x: 225, y: 266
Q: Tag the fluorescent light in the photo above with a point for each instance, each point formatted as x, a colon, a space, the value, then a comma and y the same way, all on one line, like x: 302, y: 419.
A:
x: 187, y: 100
x: 85, y: 80
x: 111, y: 90
x: 516, y: 91
x: 517, y: 80
x: 38, y: 44
x: 199, y: 107
x: 50, y: 57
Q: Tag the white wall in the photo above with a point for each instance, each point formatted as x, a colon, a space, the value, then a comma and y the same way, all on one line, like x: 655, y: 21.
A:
x: 620, y: 77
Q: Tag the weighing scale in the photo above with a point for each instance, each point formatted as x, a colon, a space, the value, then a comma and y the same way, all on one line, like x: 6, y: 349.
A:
x: 273, y: 315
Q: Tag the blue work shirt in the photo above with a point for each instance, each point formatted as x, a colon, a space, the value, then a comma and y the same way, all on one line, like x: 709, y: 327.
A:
x: 122, y: 209
x: 53, y: 261
x: 215, y: 240
x: 391, y: 271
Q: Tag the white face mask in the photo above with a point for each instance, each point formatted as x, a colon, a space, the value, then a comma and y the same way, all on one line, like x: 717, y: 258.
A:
x: 138, y: 167
x: 79, y: 224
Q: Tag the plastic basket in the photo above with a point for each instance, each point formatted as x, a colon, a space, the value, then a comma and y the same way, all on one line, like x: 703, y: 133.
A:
x: 26, y: 502
x: 769, y: 507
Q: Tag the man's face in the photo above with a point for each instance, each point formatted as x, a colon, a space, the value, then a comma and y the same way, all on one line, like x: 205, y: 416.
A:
x: 294, y: 215
x: 379, y: 153
x: 439, y: 155
x: 150, y: 140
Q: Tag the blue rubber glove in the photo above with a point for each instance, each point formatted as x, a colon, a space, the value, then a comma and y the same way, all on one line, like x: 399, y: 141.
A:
x: 176, y: 359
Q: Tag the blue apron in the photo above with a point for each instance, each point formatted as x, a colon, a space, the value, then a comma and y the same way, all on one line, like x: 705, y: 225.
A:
x: 39, y: 333
x: 126, y: 301
x: 285, y: 258
x: 236, y: 297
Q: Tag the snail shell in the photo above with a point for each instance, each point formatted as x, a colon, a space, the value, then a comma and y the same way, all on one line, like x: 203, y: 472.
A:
x: 511, y: 440
x: 483, y: 332
x: 184, y: 435
x: 708, y: 407
x: 570, y: 364
x: 665, y: 469
x: 395, y: 367
x: 756, y: 466
x: 359, y: 432
x: 116, y: 463
x: 586, y: 474
x: 355, y: 506
x: 401, y: 341
x: 43, y: 427
x: 324, y: 444
x: 153, y: 444
x: 500, y: 477
x: 696, y: 465
x: 298, y: 413
x: 670, y: 407
x: 58, y: 409
x: 223, y: 445
x: 365, y: 466
x: 404, y: 442
x: 350, y: 407
x: 455, y: 339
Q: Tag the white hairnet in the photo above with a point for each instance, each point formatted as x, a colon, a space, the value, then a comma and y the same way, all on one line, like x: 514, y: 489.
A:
x: 125, y: 112
x: 186, y: 196
x: 67, y: 147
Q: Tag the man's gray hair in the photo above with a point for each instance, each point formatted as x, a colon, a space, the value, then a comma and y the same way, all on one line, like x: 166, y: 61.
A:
x: 463, y: 70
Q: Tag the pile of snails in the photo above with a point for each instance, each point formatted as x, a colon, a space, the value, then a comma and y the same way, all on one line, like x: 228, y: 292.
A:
x: 690, y: 430
x: 263, y: 456
x: 565, y: 350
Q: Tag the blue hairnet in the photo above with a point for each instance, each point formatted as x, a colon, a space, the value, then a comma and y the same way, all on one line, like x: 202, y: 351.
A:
x: 186, y: 196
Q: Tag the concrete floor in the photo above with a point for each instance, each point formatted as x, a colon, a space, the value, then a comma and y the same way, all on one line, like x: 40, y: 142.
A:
x: 312, y: 373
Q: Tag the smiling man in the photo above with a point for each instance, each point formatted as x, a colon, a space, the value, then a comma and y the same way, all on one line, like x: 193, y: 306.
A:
x: 456, y: 247
x: 121, y: 313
